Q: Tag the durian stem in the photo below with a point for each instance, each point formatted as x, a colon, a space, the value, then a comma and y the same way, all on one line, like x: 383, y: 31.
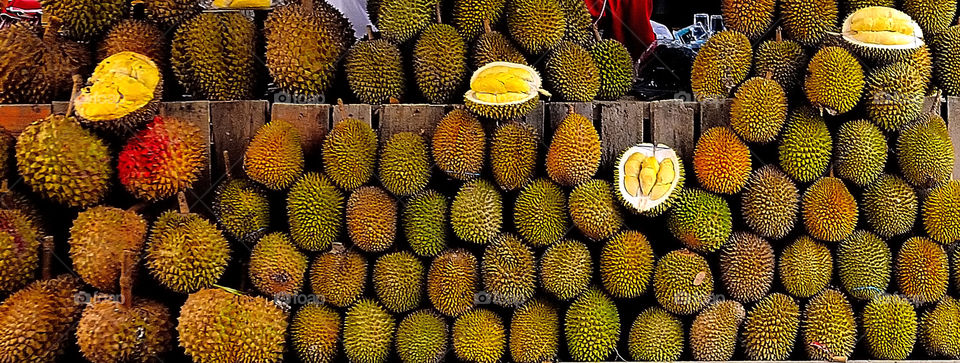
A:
x: 136, y: 208
x: 596, y: 32
x: 486, y: 26
x: 439, y: 17
x: 6, y: 202
x: 343, y: 111
x: 570, y: 110
x: 779, y: 34
x: 226, y: 164
x: 230, y: 290
x: 77, y: 80
x: 369, y: 32
x: 337, y: 247
x: 307, y: 4
x: 182, y: 202
x: 126, y: 277
x: 46, y: 258
x: 769, y: 75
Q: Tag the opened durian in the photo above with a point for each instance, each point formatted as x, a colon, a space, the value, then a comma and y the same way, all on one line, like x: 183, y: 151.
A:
x: 647, y: 176
x: 504, y: 91
x: 124, y: 93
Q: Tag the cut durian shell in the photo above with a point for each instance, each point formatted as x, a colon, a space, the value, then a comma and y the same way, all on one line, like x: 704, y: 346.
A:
x: 882, y: 34
x: 647, y: 175
x: 123, y: 94
x: 504, y: 91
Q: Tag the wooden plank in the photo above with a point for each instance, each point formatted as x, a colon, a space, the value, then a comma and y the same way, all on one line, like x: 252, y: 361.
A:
x: 932, y: 104
x: 621, y: 127
x: 557, y: 111
x: 59, y: 106
x: 671, y: 123
x: 312, y: 120
x: 418, y: 118
x: 197, y: 113
x: 953, y: 125
x: 360, y: 112
x: 15, y: 118
x: 714, y: 112
x: 234, y: 123
x: 536, y: 119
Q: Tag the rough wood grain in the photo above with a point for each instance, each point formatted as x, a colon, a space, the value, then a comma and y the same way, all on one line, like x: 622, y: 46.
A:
x: 15, y: 118
x: 419, y: 118
x: 953, y: 125
x: 536, y: 119
x: 59, y: 107
x: 197, y: 113
x: 714, y: 112
x: 360, y: 112
x: 234, y: 123
x: 932, y: 104
x: 671, y: 123
x: 313, y: 122
x: 621, y: 127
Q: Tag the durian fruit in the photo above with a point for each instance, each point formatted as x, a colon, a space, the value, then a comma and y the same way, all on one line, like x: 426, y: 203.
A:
x: 514, y: 154
x: 452, y: 282
x: 64, y: 162
x: 425, y: 222
x: 785, y: 60
x: 808, y: 22
x: 829, y: 210
x: 401, y: 20
x: 305, y: 47
x: 945, y: 46
x: 894, y: 95
x: 574, y: 153
x: 216, y: 325
x: 405, y: 164
x: 701, y: 220
x: 170, y: 13
x: 829, y: 326
x: 890, y: 206
x: 805, y: 267
x: 439, y: 62
x: 98, y: 238
x: 770, y: 330
x: 315, y: 333
x: 615, y: 65
x: 509, y: 271
x: 536, y: 25
x: 572, y: 72
x: 469, y: 16
x: 339, y: 276
x: 925, y: 152
x: 713, y: 334
x: 350, y: 154
x: 747, y: 263
x: 422, y: 337
x: 37, y: 321
x: 368, y: 332
x: 682, y: 282
x: 274, y: 157
x: 114, y: 331
x: 398, y: 281
x: 805, y: 146
x: 835, y: 79
x: 534, y: 332
x: 163, y: 159
x: 956, y: 267
x: 890, y: 327
x: 759, y: 110
x: 85, y: 20
x: 721, y: 161
x: 752, y: 18
x: 863, y: 264
x: 503, y: 91
x: 721, y: 65
x: 494, y: 46
x: 185, y: 252
x: 277, y: 267
x: 649, y: 178
x: 479, y: 336
x: 626, y: 265
x: 566, y: 269
x: 656, y: 336
x: 579, y: 21
x: 375, y: 72
x: 941, y: 217
x: 214, y: 56
x: 476, y: 214
x: 882, y: 34
x: 770, y: 202
x: 242, y: 209
x: 459, y: 145
x: 593, y: 211
x: 19, y: 250
x: 35, y: 69
x: 138, y: 36
x: 851, y: 6
x: 940, y: 329
x: 315, y: 211
x: 861, y: 153
x: 592, y: 326
x: 922, y: 61
x: 923, y: 270
x: 932, y: 16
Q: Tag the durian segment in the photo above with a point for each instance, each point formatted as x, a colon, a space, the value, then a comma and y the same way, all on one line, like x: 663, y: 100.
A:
x: 879, y: 26
x: 121, y: 84
x: 648, y: 175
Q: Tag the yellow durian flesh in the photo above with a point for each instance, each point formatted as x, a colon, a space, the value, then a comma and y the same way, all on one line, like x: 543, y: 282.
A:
x: 499, y: 83
x: 121, y: 84
x: 241, y: 4
x: 879, y: 26
x: 647, y: 175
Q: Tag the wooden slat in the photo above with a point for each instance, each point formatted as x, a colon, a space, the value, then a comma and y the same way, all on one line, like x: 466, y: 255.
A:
x: 234, y: 123
x: 953, y: 125
x: 15, y: 118
x: 360, y: 112
x: 932, y: 104
x: 671, y: 123
x: 714, y: 112
x: 419, y: 118
x: 621, y: 127
x: 557, y: 111
x: 313, y: 122
x: 536, y: 119
x: 197, y: 113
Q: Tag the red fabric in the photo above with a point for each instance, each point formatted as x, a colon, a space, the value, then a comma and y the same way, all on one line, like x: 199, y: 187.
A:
x: 629, y: 21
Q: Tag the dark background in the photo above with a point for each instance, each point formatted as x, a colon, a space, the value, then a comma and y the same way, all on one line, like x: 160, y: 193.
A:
x: 677, y: 14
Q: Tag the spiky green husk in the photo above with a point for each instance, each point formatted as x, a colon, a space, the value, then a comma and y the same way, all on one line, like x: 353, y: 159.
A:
x: 808, y: 22
x: 941, y: 213
x: 829, y: 326
x: 186, y: 252
x: 315, y: 333
x: 566, y: 269
x: 925, y: 152
x: 940, y: 329
x: 350, y: 154
x: 805, y: 146
x: 701, y: 220
x: 890, y: 327
x: 593, y: 210
x: 656, y: 336
x: 315, y: 209
x: 509, y: 271
x: 863, y: 263
x: 424, y: 222
x: 572, y: 73
x: 721, y: 64
x: 479, y: 336
x: 770, y: 202
x: 375, y: 71
x: 242, y: 209
x: 277, y: 267
x: 923, y: 270
x: 534, y: 332
x: 615, y: 66
x: 398, y: 279
x: 405, y: 164
x: 514, y: 155
x: 440, y: 63
x: 747, y: 263
x: 682, y: 282
x: 422, y: 337
x: 592, y: 326
x: 861, y: 153
x: 894, y: 95
x: 213, y: 56
x: 367, y: 332
x: 890, y: 206
x: 476, y: 215
x: 626, y: 264
x: 452, y: 282
x: 339, y: 276
x: 770, y: 329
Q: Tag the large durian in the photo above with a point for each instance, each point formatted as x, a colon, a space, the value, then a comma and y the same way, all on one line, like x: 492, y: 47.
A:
x: 35, y: 69
x: 124, y: 93
x: 375, y: 71
x: 213, y: 56
x: 85, y: 20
